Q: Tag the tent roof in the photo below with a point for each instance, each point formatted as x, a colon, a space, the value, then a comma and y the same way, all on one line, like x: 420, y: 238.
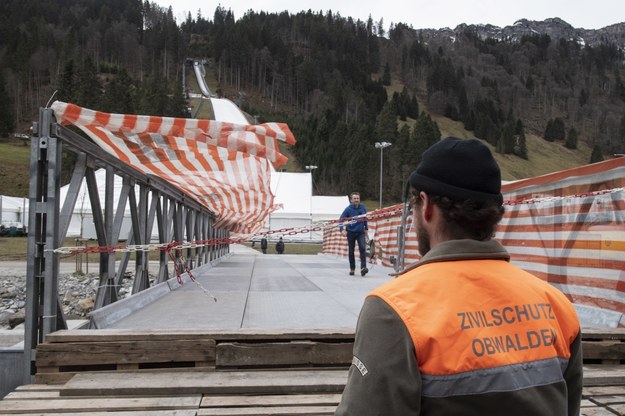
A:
x: 13, y: 203
x: 293, y: 191
x: 329, y: 205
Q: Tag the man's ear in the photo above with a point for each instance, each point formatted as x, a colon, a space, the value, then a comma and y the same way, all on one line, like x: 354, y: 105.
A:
x: 427, y: 206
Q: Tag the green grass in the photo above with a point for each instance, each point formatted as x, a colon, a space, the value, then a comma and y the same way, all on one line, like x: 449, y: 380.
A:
x: 291, y: 248
x: 14, y: 167
x: 16, y: 249
x: 543, y: 156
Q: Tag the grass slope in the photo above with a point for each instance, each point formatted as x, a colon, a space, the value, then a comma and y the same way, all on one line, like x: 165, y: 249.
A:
x: 543, y: 156
x: 14, y: 167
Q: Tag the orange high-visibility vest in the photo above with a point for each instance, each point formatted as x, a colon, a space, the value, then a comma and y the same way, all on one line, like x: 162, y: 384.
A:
x: 477, y: 314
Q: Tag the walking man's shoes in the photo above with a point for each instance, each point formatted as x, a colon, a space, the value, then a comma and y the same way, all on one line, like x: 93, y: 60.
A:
x: 364, y: 271
x: 351, y: 272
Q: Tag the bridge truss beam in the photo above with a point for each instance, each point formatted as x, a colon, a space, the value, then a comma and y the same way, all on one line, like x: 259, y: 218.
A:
x: 178, y: 218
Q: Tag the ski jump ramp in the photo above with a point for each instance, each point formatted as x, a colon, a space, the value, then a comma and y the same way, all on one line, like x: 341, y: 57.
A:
x: 223, y: 109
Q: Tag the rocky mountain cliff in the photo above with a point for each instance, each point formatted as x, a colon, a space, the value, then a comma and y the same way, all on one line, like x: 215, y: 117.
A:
x: 555, y: 28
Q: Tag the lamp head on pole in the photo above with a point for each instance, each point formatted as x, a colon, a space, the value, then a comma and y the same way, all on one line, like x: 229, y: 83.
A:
x: 382, y: 145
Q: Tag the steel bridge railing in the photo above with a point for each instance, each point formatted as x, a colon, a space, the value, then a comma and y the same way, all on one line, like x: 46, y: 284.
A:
x: 178, y: 218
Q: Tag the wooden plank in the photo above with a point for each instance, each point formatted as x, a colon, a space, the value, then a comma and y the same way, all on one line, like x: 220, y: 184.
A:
x: 100, y: 404
x: 603, y: 391
x: 54, y: 379
x: 269, y: 411
x: 204, y: 364
x: 31, y: 395
x: 90, y: 335
x: 611, y: 350
x: 271, y: 400
x: 603, y: 400
x: 619, y: 409
x: 283, y: 353
x: 603, y: 333
x: 604, y: 375
x: 595, y: 411
x: 36, y: 387
x: 171, y: 412
x: 46, y: 369
x: 227, y: 382
x: 86, y: 335
x: 124, y: 352
x: 587, y: 403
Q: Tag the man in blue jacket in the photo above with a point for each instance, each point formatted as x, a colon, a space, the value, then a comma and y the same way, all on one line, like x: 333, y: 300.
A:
x: 355, y: 230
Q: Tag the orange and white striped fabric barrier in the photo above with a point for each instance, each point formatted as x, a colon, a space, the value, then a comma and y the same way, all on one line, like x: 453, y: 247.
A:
x: 224, y: 166
x: 567, y: 228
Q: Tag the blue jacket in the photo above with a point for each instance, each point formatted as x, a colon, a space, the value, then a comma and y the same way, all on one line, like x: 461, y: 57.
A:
x: 352, y: 211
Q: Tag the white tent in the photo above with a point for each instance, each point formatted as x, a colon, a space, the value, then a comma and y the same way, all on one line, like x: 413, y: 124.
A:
x: 13, y: 211
x: 299, y: 208
x: 328, y: 207
x: 81, y: 224
x: 293, y: 193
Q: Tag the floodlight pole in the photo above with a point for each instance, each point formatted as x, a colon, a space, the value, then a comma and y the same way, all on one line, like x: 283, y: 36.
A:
x: 381, y: 146
x: 310, y: 168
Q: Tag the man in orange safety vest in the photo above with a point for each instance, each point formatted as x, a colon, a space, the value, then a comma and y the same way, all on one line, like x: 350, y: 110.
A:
x: 463, y: 331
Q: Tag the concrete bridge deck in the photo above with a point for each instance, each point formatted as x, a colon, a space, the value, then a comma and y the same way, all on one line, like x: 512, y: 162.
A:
x: 257, y: 291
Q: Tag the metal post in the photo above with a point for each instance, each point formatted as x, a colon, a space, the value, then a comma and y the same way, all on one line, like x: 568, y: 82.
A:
x: 310, y: 168
x: 381, y: 146
x: 43, y: 312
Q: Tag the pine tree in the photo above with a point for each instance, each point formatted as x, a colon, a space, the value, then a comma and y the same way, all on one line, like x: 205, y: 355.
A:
x: 7, y: 123
x: 386, y: 77
x: 621, y: 136
x: 505, y: 144
x: 153, y: 95
x: 89, y: 90
x: 177, y: 103
x: 520, y: 146
x: 597, y: 154
x: 386, y: 124
x: 67, y: 84
x: 413, y: 108
x: 555, y: 130
x: 559, y: 130
x: 118, y: 95
x: 571, y: 139
x: 425, y: 134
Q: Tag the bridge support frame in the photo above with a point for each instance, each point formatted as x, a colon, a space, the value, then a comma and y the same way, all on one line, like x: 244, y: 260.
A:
x: 178, y: 217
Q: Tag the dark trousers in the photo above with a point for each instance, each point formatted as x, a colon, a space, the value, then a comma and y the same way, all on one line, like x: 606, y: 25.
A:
x: 351, y: 245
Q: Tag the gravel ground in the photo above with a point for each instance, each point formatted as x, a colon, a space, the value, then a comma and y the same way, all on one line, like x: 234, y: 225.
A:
x: 76, y: 291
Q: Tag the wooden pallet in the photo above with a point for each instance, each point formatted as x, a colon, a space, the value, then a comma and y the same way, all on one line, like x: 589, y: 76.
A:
x: 225, y: 393
x: 67, y: 353
x: 295, y: 392
x: 604, y: 346
x: 191, y: 372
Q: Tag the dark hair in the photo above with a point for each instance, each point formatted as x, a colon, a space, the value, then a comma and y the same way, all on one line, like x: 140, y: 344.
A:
x: 466, y: 218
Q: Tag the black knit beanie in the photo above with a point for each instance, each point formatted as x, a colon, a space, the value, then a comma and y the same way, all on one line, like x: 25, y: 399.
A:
x: 459, y: 169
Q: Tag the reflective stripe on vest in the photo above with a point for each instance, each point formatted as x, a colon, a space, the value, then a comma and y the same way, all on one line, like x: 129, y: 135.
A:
x: 478, y: 323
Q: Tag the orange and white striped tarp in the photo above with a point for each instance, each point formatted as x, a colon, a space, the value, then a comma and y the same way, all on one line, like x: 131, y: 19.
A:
x: 224, y: 166
x: 567, y: 228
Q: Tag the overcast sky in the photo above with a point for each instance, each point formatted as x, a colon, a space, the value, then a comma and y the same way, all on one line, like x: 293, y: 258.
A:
x: 422, y: 14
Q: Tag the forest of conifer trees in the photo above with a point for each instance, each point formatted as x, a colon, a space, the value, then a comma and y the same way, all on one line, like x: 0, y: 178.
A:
x: 329, y: 77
